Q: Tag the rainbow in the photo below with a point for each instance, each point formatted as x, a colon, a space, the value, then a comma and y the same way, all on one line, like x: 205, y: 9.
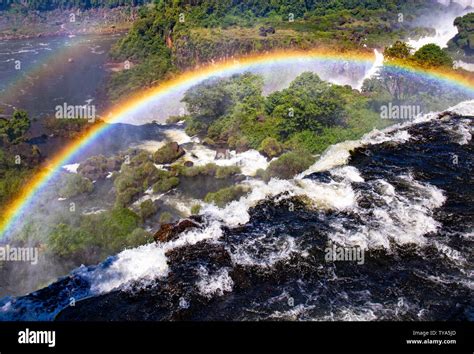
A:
x: 16, y: 209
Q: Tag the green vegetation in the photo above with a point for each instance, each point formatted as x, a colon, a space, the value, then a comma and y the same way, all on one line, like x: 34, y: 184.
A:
x: 309, y: 115
x: 147, y: 209
x: 13, y: 130
x: 97, y: 236
x: 210, y: 169
x: 307, y: 105
x: 431, y: 55
x: 214, y: 99
x: 136, y: 177
x: 46, y: 5
x: 165, y: 184
x: 73, y: 184
x: 18, y: 160
x: 289, y: 164
x: 463, y: 42
x: 69, y: 128
x: 226, y: 195
x: 166, y: 217
x: 174, y: 35
x: 168, y: 153
x: 13, y: 177
x: 196, y: 209
x: 270, y: 147
x: 398, y: 50
x: 400, y: 87
x: 98, y: 167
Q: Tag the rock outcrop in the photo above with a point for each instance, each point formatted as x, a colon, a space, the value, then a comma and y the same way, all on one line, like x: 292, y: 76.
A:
x: 171, y: 231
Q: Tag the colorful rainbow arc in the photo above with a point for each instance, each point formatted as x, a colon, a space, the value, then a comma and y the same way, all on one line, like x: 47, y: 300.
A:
x: 19, y: 206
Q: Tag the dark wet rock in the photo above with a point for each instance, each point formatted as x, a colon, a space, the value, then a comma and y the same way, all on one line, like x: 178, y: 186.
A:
x: 188, y: 164
x: 274, y: 279
x: 201, y: 252
x: 171, y: 231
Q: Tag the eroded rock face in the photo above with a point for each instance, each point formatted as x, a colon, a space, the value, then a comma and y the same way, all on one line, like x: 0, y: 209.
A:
x: 171, y: 231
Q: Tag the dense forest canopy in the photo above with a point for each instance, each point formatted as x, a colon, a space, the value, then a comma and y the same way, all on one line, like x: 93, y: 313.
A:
x: 47, y: 5
x: 218, y: 7
x: 175, y: 34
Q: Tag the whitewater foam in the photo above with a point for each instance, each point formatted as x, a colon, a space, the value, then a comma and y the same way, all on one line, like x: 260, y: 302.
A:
x: 138, y: 267
x: 214, y: 284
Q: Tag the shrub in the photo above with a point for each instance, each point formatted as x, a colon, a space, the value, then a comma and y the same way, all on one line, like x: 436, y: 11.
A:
x: 165, y: 184
x: 74, y: 184
x: 290, y: 164
x: 168, y: 153
x: 15, y: 129
x: 94, y: 168
x: 147, y: 209
x: 210, y: 169
x: 135, y: 178
x: 270, y: 147
x: 225, y: 195
x: 175, y: 119
x: 139, y: 237
x: 126, y: 197
x: 208, y: 142
x: 398, y: 50
x: 227, y: 171
x: 195, y: 209
x: 97, y: 236
x: 166, y: 217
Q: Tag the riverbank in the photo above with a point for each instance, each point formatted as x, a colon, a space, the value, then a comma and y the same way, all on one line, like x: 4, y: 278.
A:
x: 58, y: 23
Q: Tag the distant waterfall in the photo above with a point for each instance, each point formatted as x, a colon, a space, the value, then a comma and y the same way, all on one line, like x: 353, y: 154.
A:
x: 374, y: 69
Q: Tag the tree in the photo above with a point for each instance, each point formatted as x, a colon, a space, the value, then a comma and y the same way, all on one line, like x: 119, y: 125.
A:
x: 465, y: 38
x: 214, y: 99
x: 14, y: 129
x: 73, y: 185
x: 431, y: 55
x: 308, y: 104
x: 398, y: 50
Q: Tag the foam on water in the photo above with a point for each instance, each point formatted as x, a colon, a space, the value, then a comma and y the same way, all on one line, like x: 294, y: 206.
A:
x: 143, y: 264
x: 332, y: 195
x: 395, y: 218
x: 338, y: 154
x: 249, y: 161
x: 72, y: 168
x: 214, y: 284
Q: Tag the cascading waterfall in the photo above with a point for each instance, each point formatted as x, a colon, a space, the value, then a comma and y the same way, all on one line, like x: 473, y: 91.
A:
x: 269, y: 245
x: 374, y: 69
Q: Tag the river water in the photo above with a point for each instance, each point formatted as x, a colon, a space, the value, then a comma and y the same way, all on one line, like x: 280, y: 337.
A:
x: 399, y: 196
x: 40, y: 73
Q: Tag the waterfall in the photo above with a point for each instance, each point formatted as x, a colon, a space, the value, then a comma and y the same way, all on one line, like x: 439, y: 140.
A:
x: 445, y: 29
x: 374, y: 69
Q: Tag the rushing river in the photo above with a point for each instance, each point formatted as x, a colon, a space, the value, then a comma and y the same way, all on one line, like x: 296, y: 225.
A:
x: 404, y: 196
